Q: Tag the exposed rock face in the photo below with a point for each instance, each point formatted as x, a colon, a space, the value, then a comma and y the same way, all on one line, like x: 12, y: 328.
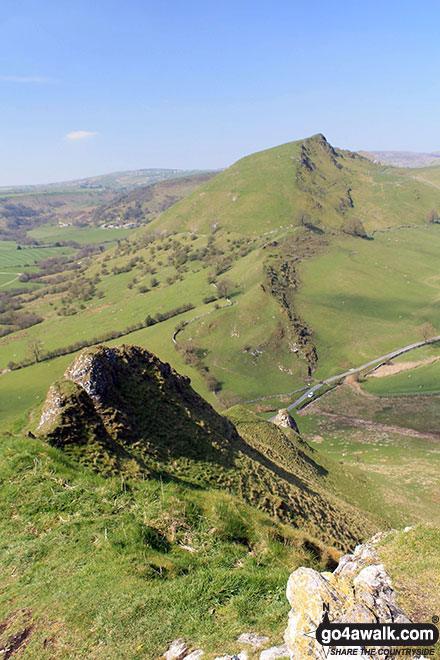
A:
x: 177, y: 651
x: 359, y: 590
x: 124, y: 402
x: 285, y: 420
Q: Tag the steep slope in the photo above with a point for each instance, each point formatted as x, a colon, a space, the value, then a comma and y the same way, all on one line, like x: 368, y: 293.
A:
x: 278, y: 186
x: 124, y: 411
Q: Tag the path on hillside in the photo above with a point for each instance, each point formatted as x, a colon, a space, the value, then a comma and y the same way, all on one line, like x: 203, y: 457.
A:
x: 419, y: 178
x: 371, y: 363
x: 10, y: 281
x: 229, y: 303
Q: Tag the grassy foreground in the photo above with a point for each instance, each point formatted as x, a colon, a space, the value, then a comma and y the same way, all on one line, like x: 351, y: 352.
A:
x: 109, y: 569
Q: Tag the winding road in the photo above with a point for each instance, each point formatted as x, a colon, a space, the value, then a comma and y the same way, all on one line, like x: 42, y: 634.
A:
x: 371, y: 363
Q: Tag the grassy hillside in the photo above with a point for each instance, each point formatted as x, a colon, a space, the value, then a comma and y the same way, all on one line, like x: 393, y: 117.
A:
x: 141, y: 419
x: 266, y: 190
x: 276, y: 232
x: 411, y: 559
x: 393, y: 440
x: 142, y: 561
x: 137, y: 488
x: 24, y: 210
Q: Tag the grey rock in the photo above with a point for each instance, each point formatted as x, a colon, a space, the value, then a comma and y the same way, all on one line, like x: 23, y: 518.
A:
x: 195, y: 655
x: 253, y: 639
x: 285, y: 420
x: 359, y: 590
x: 177, y: 651
x: 275, y: 653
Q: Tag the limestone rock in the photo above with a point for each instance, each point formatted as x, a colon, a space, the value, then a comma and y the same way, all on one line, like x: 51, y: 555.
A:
x: 253, y: 639
x: 195, y: 655
x: 285, y: 420
x: 359, y: 590
x: 275, y: 652
x: 177, y: 651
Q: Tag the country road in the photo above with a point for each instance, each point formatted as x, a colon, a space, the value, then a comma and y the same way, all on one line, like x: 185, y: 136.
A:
x: 371, y: 363
x: 10, y: 281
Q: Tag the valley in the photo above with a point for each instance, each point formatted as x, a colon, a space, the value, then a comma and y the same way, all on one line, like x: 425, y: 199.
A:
x: 139, y: 367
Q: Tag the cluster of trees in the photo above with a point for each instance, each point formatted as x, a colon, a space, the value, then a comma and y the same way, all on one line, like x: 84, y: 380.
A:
x: 13, y: 321
x: 13, y: 317
x: 193, y: 356
x: 433, y: 216
x: 36, y: 353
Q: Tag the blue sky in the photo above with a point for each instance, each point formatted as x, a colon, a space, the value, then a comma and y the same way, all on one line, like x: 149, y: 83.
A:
x: 89, y: 87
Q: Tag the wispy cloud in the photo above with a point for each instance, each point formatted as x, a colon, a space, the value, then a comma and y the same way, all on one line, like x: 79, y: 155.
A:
x: 36, y: 80
x: 80, y: 135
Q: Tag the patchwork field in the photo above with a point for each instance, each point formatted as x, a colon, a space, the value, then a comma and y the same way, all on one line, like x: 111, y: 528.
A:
x: 12, y: 257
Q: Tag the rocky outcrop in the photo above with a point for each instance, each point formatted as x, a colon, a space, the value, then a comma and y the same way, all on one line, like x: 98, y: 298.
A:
x: 285, y: 420
x: 359, y: 590
x: 281, y: 283
x: 124, y: 411
x: 179, y: 649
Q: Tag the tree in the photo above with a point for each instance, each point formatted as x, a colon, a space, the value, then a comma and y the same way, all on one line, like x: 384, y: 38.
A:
x: 35, y: 350
x: 432, y: 216
x: 224, y: 288
x: 302, y: 217
x: 354, y: 227
x: 428, y: 330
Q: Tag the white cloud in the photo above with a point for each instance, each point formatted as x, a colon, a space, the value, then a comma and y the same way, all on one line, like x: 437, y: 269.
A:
x: 39, y: 80
x: 79, y: 135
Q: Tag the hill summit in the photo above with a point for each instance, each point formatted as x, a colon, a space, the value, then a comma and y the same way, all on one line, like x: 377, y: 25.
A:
x: 122, y: 410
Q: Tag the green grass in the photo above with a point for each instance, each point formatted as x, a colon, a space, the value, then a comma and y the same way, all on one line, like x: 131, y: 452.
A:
x: 116, y: 550
x: 412, y: 560
x: 360, y: 298
x: 53, y: 233
x: 381, y: 437
x: 366, y: 298
x: 10, y: 257
x: 421, y: 380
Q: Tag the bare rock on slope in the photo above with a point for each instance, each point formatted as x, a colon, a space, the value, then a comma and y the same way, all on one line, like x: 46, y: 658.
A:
x: 285, y: 420
x: 359, y: 590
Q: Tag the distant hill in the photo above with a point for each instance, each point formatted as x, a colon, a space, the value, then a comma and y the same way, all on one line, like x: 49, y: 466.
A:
x: 80, y: 202
x: 143, y: 203
x: 285, y: 185
x: 113, y: 181
x: 403, y: 158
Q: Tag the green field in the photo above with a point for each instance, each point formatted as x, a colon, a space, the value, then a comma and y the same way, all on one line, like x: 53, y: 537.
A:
x: 422, y: 380
x: 263, y: 253
x: 382, y: 438
x: 366, y: 298
x: 54, y: 233
x: 11, y: 257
